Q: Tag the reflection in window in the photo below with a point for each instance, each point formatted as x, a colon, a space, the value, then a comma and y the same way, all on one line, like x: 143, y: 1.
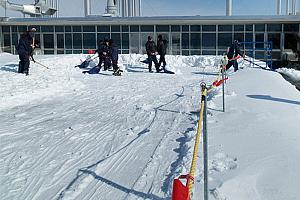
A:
x: 68, y: 41
x: 134, y: 42
x: 185, y: 44
x: 275, y: 38
x: 116, y: 37
x: 89, y: 41
x: 176, y: 43
x: 77, y: 39
x: 290, y: 41
x: 209, y: 40
x: 224, y: 40
x: 291, y: 27
x: 48, y: 41
x: 125, y: 41
x: 195, y: 40
x: 60, y: 41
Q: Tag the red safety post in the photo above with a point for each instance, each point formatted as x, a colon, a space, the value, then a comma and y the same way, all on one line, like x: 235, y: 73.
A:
x: 181, y: 191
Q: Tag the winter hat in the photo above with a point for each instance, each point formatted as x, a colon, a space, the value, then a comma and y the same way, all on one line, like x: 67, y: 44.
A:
x: 33, y: 29
x: 159, y: 37
x: 149, y: 37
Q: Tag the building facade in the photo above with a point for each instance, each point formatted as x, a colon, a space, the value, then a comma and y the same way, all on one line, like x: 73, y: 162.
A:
x: 194, y: 35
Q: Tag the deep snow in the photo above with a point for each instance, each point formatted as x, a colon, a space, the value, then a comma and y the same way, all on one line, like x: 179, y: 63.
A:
x: 66, y: 135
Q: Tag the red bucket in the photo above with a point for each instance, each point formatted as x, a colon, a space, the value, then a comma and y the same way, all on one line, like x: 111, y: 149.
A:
x: 181, y: 191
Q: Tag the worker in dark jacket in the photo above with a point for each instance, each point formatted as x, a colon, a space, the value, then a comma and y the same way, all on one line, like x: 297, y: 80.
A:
x: 162, y: 50
x: 25, y: 49
x: 232, y: 55
x: 151, y: 52
x: 114, y: 58
x: 104, y: 54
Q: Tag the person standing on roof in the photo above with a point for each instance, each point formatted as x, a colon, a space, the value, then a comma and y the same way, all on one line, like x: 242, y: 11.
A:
x: 232, y: 55
x: 25, y: 49
x: 151, y: 52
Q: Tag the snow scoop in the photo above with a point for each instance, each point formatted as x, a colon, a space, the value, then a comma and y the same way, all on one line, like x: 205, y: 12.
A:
x: 181, y: 191
x: 217, y: 83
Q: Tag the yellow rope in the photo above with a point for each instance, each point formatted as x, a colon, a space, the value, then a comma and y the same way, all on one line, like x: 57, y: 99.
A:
x: 194, y: 161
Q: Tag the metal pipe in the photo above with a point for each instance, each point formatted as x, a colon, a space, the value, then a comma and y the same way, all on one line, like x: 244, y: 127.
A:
x: 278, y: 7
x: 87, y: 7
x: 228, y: 7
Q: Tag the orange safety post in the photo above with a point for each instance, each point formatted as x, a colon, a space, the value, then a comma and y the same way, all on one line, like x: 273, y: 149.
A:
x: 181, y: 191
x: 91, y: 51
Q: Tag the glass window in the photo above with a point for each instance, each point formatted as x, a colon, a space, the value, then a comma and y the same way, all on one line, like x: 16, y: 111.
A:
x: 60, y: 51
x: 14, y: 28
x: 209, y: 40
x: 77, y: 29
x: 125, y: 41
x: 175, y: 28
x: 147, y: 28
x: 274, y: 27
x: 195, y: 52
x: 68, y: 51
x: 5, y: 29
x: 7, y: 42
x: 275, y: 38
x: 116, y: 37
x: 195, y: 41
x: 238, y: 27
x: 290, y: 41
x: 185, y: 41
x: 208, y: 52
x: 224, y: 40
x: 176, y: 43
x: 259, y: 39
x: 102, y: 36
x: 115, y: 28
x: 249, y: 27
x: 77, y: 41
x: 59, y: 28
x: 134, y: 28
x: 60, y: 41
x: 47, y: 29
x: 48, y: 52
x: 249, y: 40
x: 125, y: 28
x: 185, y: 52
x: 162, y: 28
x: 68, y: 40
x: 239, y: 37
x: 259, y: 27
x: 14, y: 38
x: 103, y: 28
x: 89, y: 29
x: 196, y: 28
x: 22, y: 29
x: 206, y: 28
x: 223, y: 28
x: 89, y: 41
x: 134, y: 42
x: 185, y: 28
x: 291, y: 27
x: 68, y: 28
x: 48, y: 41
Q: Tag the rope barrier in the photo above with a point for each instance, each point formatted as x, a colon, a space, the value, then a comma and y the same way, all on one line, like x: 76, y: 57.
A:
x: 194, y: 160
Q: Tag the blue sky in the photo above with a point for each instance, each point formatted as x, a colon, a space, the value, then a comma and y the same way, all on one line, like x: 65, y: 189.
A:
x: 169, y: 7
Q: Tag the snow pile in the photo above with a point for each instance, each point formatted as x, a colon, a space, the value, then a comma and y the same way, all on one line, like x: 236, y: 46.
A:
x: 69, y: 135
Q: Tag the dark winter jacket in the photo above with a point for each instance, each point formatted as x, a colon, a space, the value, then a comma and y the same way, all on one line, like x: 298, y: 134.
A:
x: 162, y: 47
x: 114, y: 52
x: 234, y: 50
x: 150, y: 47
x: 103, y: 50
x: 24, y: 46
